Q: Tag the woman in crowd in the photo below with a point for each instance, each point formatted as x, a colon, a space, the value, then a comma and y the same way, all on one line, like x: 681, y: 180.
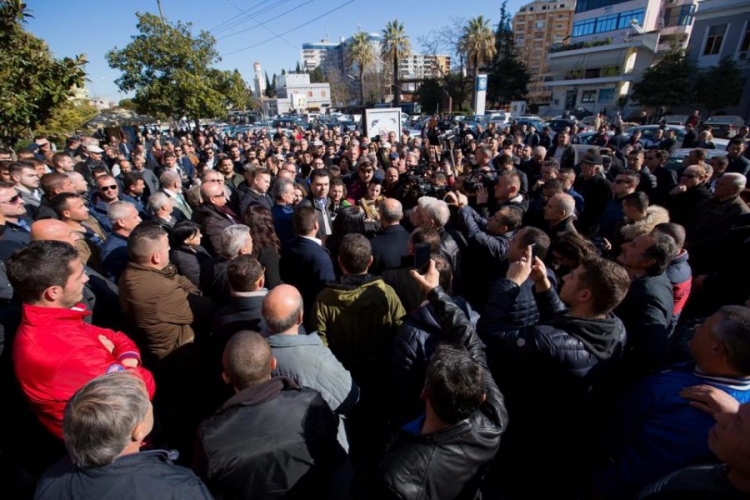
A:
x: 266, y: 244
x: 186, y: 252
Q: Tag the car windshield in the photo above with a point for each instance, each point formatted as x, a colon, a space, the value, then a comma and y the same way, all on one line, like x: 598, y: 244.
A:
x: 721, y: 119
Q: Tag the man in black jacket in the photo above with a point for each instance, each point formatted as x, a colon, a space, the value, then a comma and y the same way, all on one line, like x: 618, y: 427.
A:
x: 270, y: 424
x: 549, y: 370
x: 391, y: 245
x: 446, y: 452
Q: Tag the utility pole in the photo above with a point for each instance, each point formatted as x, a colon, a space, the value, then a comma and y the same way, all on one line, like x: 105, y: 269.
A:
x: 161, y: 12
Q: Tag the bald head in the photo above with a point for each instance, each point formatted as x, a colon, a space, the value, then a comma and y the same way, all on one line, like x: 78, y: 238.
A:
x: 53, y: 230
x: 391, y: 212
x: 282, y: 309
x: 210, y: 189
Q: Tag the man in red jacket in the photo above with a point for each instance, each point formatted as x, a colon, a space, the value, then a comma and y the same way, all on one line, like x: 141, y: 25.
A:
x: 55, y: 352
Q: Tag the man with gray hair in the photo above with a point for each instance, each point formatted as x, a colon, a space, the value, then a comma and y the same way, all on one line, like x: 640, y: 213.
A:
x: 559, y: 214
x: 434, y: 213
x: 235, y: 241
x: 104, y: 427
x: 160, y: 206
x: 283, y: 210
x: 124, y: 217
x: 171, y: 185
x: 662, y: 429
x: 715, y: 216
x: 389, y: 247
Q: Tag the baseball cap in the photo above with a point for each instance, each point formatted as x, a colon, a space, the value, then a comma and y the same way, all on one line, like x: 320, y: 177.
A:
x: 393, y: 155
x: 594, y: 158
x: 91, y: 148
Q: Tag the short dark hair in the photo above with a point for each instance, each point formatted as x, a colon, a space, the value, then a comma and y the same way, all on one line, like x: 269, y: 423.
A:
x: 511, y: 217
x: 38, y: 266
x: 607, y: 281
x: 663, y: 250
x: 61, y: 202
x: 637, y: 200
x: 51, y: 181
x: 445, y: 270
x: 246, y: 359
x: 455, y: 383
x: 319, y: 172
x: 243, y: 273
x: 733, y: 331
x: 428, y: 235
x: 142, y: 241
x: 131, y: 179
x: 573, y: 246
x: 355, y: 253
x: 182, y: 231
x: 502, y: 160
x: 303, y: 219
x: 530, y: 235
x: 676, y: 231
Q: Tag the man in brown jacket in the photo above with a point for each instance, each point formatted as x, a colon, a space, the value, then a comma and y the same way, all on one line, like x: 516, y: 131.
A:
x: 161, y: 304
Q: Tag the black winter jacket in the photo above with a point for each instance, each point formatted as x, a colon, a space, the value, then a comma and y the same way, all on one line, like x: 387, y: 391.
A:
x: 448, y: 463
x: 140, y: 476
x: 271, y: 440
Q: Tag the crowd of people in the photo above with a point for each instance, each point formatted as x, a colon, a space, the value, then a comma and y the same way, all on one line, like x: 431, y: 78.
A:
x: 276, y: 314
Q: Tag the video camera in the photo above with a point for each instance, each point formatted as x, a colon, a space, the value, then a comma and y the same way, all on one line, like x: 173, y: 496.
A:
x: 479, y: 178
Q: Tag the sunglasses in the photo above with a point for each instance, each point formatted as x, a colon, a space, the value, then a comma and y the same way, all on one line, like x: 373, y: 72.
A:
x: 14, y: 200
x: 107, y: 188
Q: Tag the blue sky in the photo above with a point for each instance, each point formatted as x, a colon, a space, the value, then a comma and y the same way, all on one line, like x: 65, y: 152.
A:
x: 93, y: 27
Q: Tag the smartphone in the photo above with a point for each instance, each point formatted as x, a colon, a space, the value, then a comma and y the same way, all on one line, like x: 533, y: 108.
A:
x: 421, y: 255
x: 533, y: 252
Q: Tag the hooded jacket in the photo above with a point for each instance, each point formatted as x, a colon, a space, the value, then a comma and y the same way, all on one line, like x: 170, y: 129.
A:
x: 654, y: 215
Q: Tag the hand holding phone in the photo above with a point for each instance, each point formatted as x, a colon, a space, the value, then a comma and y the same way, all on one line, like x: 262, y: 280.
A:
x: 421, y: 255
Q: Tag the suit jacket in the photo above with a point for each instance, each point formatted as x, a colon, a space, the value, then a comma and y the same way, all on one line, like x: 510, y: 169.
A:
x: 306, y: 265
x: 388, y: 248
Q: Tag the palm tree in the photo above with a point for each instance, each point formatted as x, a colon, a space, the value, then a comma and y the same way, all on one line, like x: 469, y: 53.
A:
x: 477, y: 42
x: 360, y: 53
x: 394, y: 46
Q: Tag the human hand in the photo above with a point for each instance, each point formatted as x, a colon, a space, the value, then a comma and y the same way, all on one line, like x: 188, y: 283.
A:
x: 482, y: 195
x: 519, y: 271
x: 129, y: 362
x: 539, y: 275
x: 428, y: 280
x: 679, y: 188
x: 107, y: 343
x: 709, y: 399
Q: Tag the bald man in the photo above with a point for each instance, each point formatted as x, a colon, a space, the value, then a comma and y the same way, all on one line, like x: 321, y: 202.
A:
x: 99, y: 294
x: 304, y: 358
x: 390, y: 247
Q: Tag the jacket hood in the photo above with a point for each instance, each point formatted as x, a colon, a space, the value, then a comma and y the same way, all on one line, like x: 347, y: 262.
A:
x: 349, y: 288
x: 601, y: 337
x: 654, y: 215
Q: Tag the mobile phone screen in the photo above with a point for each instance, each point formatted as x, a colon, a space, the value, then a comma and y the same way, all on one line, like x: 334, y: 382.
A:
x: 421, y: 255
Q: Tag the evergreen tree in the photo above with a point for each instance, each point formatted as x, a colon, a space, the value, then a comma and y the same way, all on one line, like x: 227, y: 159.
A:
x: 298, y: 69
x: 719, y: 86
x: 270, y: 87
x: 667, y: 83
x: 508, y: 77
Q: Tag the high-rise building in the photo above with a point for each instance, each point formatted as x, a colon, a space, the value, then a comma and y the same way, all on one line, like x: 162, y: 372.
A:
x: 612, y: 43
x: 324, y: 53
x: 259, y: 81
x: 538, y: 26
x: 422, y: 66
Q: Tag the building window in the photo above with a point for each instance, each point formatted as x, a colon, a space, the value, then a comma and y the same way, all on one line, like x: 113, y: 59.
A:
x: 606, y: 23
x: 540, y: 25
x: 611, y: 22
x: 606, y: 95
x: 588, y: 96
x: 627, y: 17
x: 714, y: 39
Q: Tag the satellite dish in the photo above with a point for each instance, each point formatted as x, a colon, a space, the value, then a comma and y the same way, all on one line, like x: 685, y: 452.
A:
x: 637, y: 27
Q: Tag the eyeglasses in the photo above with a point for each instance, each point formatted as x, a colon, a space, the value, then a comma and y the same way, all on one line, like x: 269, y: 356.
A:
x: 13, y: 200
x: 107, y: 188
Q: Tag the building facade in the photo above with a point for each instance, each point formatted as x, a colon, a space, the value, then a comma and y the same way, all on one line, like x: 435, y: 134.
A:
x: 294, y: 92
x: 324, y: 53
x: 422, y: 66
x: 538, y: 26
x: 722, y: 29
x: 612, y: 43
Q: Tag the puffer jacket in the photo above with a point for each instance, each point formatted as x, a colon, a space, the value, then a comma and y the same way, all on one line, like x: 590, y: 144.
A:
x: 654, y: 215
x: 358, y: 317
x: 449, y: 463
x: 416, y: 340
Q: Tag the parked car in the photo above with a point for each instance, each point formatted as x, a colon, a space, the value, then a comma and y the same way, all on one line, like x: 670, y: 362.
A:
x: 559, y: 125
x: 537, y: 123
x: 587, y: 136
x: 674, y: 119
x: 678, y: 155
x: 647, y: 131
x: 725, y: 126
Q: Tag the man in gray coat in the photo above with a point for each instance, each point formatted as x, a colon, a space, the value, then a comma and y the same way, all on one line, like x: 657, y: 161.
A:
x: 304, y: 358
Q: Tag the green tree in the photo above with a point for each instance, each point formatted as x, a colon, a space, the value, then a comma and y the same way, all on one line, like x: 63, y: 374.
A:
x: 429, y: 95
x: 317, y: 76
x: 508, y: 77
x: 236, y: 92
x: 719, y: 86
x: 478, y: 43
x: 65, y: 119
x: 171, y: 72
x: 32, y: 82
x: 394, y: 46
x: 666, y: 83
x: 360, y: 54
x: 127, y: 104
x: 298, y: 69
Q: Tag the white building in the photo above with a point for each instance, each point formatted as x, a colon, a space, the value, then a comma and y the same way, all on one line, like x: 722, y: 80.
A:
x: 421, y: 66
x: 295, y: 93
x: 612, y: 43
x: 259, y: 81
x: 324, y: 53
